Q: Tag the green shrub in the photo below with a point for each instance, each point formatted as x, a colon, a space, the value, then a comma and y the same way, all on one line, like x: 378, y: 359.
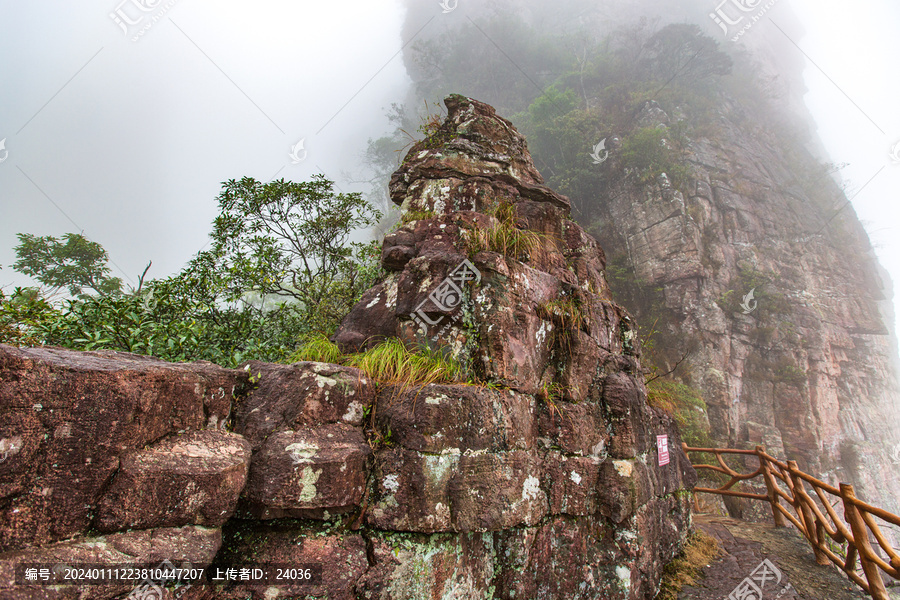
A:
x: 686, y: 406
x: 650, y: 151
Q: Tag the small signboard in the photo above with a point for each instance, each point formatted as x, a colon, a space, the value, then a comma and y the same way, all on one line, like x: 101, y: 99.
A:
x: 662, y: 446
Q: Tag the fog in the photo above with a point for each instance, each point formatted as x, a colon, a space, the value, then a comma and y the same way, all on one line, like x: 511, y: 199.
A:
x: 129, y: 141
x: 126, y: 131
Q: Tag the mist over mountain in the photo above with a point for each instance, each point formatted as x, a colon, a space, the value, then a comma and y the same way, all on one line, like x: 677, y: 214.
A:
x: 711, y: 194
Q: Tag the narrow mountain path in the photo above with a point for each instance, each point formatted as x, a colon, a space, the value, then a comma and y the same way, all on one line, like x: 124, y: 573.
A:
x: 790, y: 574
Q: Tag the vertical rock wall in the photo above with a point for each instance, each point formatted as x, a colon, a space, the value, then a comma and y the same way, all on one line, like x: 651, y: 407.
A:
x: 807, y: 366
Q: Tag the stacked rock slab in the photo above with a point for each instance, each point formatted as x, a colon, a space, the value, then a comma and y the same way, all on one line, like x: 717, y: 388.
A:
x: 547, y: 485
x: 110, y: 459
x: 541, y: 482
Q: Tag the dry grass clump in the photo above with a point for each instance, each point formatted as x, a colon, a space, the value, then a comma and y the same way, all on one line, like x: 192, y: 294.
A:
x: 697, y: 553
x: 506, y: 237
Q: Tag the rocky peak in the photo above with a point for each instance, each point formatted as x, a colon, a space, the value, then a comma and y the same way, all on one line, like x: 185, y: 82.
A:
x: 474, y: 201
x: 541, y: 477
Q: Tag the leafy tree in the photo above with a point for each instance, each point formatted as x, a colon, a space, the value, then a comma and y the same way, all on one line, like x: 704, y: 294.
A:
x: 291, y: 242
x: 282, y: 266
x: 22, y: 315
x: 73, y: 262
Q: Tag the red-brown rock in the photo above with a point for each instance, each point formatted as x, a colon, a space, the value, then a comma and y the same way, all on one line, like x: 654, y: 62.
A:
x: 310, y: 472
x: 301, y: 394
x: 341, y: 557
x: 75, y: 414
x: 189, y: 479
x: 195, y: 545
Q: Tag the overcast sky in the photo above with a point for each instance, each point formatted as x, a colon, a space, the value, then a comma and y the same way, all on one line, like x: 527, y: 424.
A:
x: 129, y: 141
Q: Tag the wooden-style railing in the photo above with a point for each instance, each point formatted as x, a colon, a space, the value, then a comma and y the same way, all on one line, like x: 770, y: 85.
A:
x: 842, y: 541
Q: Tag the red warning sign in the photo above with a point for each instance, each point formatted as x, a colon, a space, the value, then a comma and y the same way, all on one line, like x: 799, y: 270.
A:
x: 662, y: 446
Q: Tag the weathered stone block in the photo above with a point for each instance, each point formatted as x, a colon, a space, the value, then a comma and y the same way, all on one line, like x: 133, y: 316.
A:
x: 190, y: 479
x: 70, y: 415
x: 446, y: 566
x: 412, y: 491
x: 573, y: 484
x: 302, y: 394
x: 196, y: 545
x: 579, y: 429
x: 549, y: 561
x: 456, y: 418
x: 490, y: 492
x: 626, y: 404
x: 341, y: 556
x: 308, y: 473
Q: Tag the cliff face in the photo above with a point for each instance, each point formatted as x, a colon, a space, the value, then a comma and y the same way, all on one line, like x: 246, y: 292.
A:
x: 543, y: 482
x: 811, y: 371
x: 807, y: 364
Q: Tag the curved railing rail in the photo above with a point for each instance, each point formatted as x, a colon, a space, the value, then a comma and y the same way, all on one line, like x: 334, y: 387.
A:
x: 855, y: 543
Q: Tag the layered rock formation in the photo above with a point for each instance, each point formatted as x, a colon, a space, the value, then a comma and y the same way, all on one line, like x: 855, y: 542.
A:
x: 559, y: 465
x: 807, y: 364
x: 541, y: 479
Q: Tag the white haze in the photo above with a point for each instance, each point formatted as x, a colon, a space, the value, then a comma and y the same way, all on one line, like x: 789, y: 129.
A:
x: 129, y: 141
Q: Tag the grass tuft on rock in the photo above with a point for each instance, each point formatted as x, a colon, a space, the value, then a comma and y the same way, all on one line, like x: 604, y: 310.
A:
x: 506, y: 237
x: 317, y: 348
x: 699, y: 550
x: 391, y: 362
x: 417, y: 215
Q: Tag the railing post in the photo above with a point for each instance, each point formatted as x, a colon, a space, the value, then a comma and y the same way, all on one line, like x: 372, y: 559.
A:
x: 861, y: 541
x: 684, y: 448
x: 770, y: 487
x: 806, y: 515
